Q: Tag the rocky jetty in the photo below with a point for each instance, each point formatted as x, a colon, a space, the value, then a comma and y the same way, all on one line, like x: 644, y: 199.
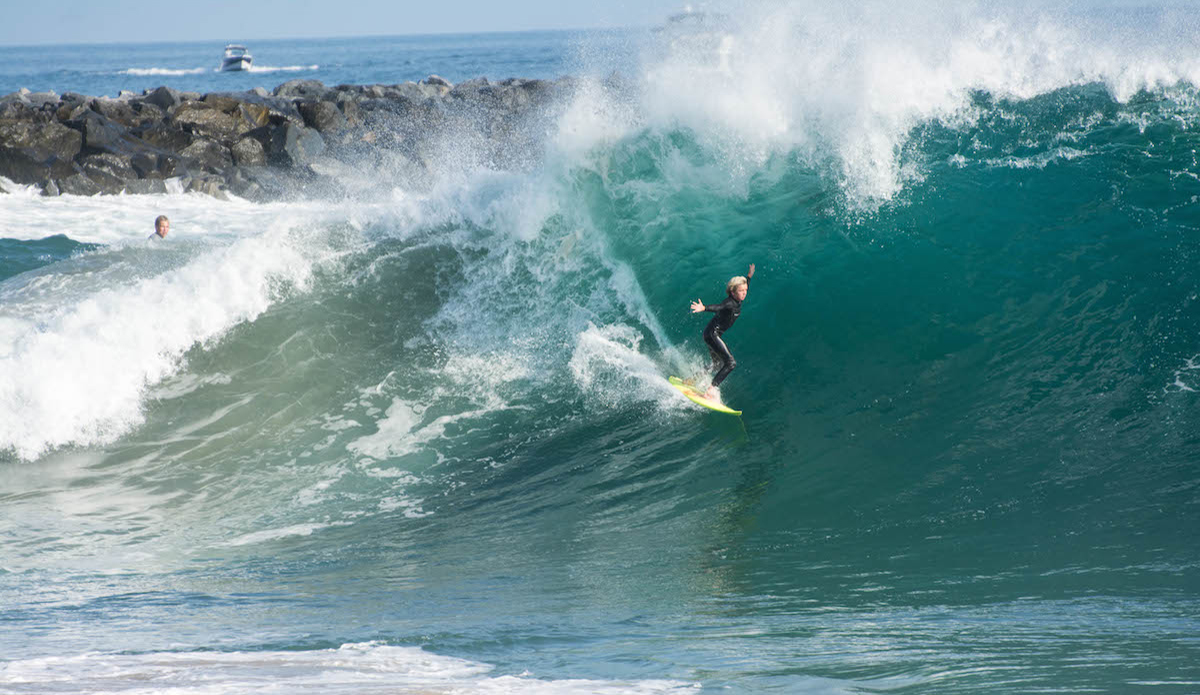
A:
x: 267, y: 145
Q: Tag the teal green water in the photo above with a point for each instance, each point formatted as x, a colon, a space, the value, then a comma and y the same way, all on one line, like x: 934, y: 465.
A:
x: 969, y: 460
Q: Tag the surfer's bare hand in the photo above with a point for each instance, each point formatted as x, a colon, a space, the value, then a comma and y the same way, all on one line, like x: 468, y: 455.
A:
x: 751, y: 273
x: 697, y: 306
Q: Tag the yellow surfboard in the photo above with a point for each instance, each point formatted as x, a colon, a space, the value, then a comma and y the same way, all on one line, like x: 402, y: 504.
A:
x: 698, y: 398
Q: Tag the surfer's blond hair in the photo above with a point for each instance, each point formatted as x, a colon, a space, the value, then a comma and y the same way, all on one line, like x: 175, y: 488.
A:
x: 734, y: 282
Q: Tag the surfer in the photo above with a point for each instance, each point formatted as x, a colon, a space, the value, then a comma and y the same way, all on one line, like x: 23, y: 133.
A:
x: 726, y: 312
x: 162, y: 225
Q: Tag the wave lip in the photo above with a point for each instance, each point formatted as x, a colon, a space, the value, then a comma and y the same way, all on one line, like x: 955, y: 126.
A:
x: 79, y: 374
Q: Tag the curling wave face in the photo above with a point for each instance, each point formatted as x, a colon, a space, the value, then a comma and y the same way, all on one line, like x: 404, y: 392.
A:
x: 973, y: 322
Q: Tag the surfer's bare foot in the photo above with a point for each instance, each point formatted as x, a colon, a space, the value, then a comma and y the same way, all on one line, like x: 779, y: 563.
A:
x: 713, y: 394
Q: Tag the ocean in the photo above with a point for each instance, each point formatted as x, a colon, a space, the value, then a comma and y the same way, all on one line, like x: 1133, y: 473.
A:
x: 420, y: 440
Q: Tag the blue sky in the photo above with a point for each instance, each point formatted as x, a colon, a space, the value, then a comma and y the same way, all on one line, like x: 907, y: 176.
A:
x: 26, y: 22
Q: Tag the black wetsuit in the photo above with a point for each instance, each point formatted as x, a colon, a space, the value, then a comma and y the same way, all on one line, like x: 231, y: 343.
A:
x: 727, y: 312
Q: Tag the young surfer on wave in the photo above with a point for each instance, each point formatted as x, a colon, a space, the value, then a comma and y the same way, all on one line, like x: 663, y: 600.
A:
x: 726, y: 312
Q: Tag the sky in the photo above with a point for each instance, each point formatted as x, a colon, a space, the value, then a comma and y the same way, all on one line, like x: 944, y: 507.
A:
x: 34, y: 22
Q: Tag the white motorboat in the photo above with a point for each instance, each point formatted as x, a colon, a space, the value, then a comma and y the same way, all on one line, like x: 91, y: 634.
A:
x: 236, y: 58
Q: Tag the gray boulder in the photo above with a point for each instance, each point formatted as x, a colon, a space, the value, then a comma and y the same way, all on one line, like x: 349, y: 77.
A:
x: 36, y: 152
x: 147, y: 113
x: 200, y: 118
x: 117, y: 111
x: 164, y: 98
x: 146, y: 186
x: 16, y: 110
x: 207, y: 154
x: 323, y: 116
x: 294, y: 146
x: 164, y: 136
x: 248, y: 152
x: 351, y: 111
x: 145, y: 165
x: 77, y: 184
x: 209, y: 185
x: 110, y: 172
x: 301, y: 88
x: 40, y: 99
x: 41, y: 140
x: 100, y: 134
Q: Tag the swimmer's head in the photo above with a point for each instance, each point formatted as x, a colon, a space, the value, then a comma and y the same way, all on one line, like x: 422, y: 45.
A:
x: 737, y: 287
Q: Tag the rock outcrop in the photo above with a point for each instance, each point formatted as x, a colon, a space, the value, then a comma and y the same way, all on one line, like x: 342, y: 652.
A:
x: 261, y: 144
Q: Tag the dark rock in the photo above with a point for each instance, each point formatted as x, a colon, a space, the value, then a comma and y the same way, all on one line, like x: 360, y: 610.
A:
x: 248, y: 152
x: 50, y: 189
x: 23, y: 167
x: 16, y: 110
x: 263, y: 135
x: 109, y: 172
x: 116, y: 111
x: 164, y: 98
x: 351, y: 111
x: 71, y: 111
x: 189, y: 96
x: 36, y: 152
x: 78, y: 184
x: 259, y: 91
x: 41, y: 140
x: 145, y: 165
x: 255, y: 114
x: 164, y: 136
x: 261, y: 110
x: 324, y: 116
x: 199, y: 118
x: 145, y: 186
x: 301, y: 88
x: 222, y: 102
x: 294, y: 146
x: 209, y: 185
x: 147, y: 113
x: 208, y: 154
x: 39, y: 99
x: 438, y: 81
x: 100, y: 134
x: 171, y: 165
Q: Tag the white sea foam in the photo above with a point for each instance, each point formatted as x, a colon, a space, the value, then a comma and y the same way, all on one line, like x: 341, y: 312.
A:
x: 274, y: 534
x: 352, y: 668
x: 608, y: 363
x: 111, y: 219
x: 79, y: 350
x: 170, y: 72
x: 844, y: 84
x: 165, y: 71
x: 283, y: 68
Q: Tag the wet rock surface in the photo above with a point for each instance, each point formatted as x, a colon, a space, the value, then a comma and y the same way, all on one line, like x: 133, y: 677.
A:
x: 267, y: 145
